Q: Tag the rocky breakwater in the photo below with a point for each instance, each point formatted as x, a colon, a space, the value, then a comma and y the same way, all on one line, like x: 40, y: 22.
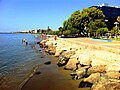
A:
x: 96, y: 68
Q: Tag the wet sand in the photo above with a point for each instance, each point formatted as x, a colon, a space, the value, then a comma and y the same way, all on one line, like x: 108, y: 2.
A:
x: 52, y: 77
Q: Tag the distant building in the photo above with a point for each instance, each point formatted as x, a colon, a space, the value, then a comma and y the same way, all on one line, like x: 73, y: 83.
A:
x: 36, y: 31
x: 111, y: 13
x: 24, y: 31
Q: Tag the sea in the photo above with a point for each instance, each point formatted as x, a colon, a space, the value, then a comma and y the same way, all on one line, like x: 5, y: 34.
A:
x: 17, y: 60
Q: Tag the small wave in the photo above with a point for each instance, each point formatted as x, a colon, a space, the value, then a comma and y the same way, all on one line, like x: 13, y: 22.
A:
x: 27, y: 79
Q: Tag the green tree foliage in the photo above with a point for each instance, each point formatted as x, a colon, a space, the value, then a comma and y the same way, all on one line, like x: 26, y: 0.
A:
x: 115, y: 30
x: 55, y: 32
x: 67, y: 32
x: 73, y: 23
x: 102, y: 31
x: 92, y: 18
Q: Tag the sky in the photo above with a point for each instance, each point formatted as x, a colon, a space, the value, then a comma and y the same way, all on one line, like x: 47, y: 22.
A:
x: 18, y: 15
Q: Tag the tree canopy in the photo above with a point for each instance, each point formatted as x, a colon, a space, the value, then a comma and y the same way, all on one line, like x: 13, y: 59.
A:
x: 86, y: 21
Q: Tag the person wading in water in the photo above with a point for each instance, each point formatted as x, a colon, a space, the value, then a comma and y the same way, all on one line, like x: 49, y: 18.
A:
x: 26, y: 41
x: 23, y: 40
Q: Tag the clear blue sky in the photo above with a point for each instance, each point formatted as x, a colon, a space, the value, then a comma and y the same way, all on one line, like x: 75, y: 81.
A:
x: 16, y: 15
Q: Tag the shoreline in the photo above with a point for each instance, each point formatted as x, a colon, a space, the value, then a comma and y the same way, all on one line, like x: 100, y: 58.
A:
x: 51, y: 78
x: 21, y: 85
x: 87, y: 63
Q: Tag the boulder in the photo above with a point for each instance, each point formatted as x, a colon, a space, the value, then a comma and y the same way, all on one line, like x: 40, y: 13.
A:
x: 97, y: 61
x: 92, y: 78
x: 79, y: 73
x: 64, y: 57
x: 113, y: 67
x: 85, y: 84
x: 71, y: 65
x: 85, y: 57
x: 96, y: 69
x: 47, y: 63
x: 113, y: 75
x: 106, y: 84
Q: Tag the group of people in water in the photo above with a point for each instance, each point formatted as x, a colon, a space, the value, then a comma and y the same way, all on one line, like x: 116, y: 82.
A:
x: 25, y: 41
x: 43, y: 43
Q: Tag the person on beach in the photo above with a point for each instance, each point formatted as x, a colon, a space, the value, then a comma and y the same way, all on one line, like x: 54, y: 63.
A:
x: 55, y: 37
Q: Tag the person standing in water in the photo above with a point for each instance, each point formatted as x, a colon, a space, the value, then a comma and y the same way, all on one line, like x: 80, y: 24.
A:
x: 23, y: 40
x: 26, y: 41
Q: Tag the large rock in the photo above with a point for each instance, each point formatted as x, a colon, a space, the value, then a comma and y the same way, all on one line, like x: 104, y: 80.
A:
x: 113, y: 67
x: 79, y: 73
x: 106, y: 84
x: 96, y: 69
x: 72, y: 64
x: 64, y: 57
x: 85, y: 57
x: 92, y: 78
x: 113, y: 75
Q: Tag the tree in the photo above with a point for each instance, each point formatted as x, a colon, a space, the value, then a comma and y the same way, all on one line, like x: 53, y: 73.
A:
x: 67, y: 32
x: 90, y: 18
x: 93, y: 19
x: 115, y: 31
x: 49, y: 30
x: 102, y: 31
x: 73, y: 23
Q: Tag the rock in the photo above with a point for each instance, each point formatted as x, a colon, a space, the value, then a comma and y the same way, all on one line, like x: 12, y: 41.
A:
x: 98, y: 61
x: 67, y: 54
x: 85, y: 57
x: 37, y: 73
x: 47, y: 63
x: 58, y: 53
x: 106, y: 84
x: 113, y: 75
x: 96, y: 69
x: 113, y: 67
x: 40, y: 50
x: 38, y: 42
x: 92, y: 78
x: 71, y: 65
x: 85, y: 84
x: 64, y: 57
x: 78, y: 74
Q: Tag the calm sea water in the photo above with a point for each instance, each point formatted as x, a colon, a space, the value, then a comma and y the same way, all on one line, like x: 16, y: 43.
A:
x: 17, y: 61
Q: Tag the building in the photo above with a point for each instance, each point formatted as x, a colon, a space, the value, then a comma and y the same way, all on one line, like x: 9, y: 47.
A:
x: 25, y: 31
x: 111, y: 13
x: 36, y: 31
